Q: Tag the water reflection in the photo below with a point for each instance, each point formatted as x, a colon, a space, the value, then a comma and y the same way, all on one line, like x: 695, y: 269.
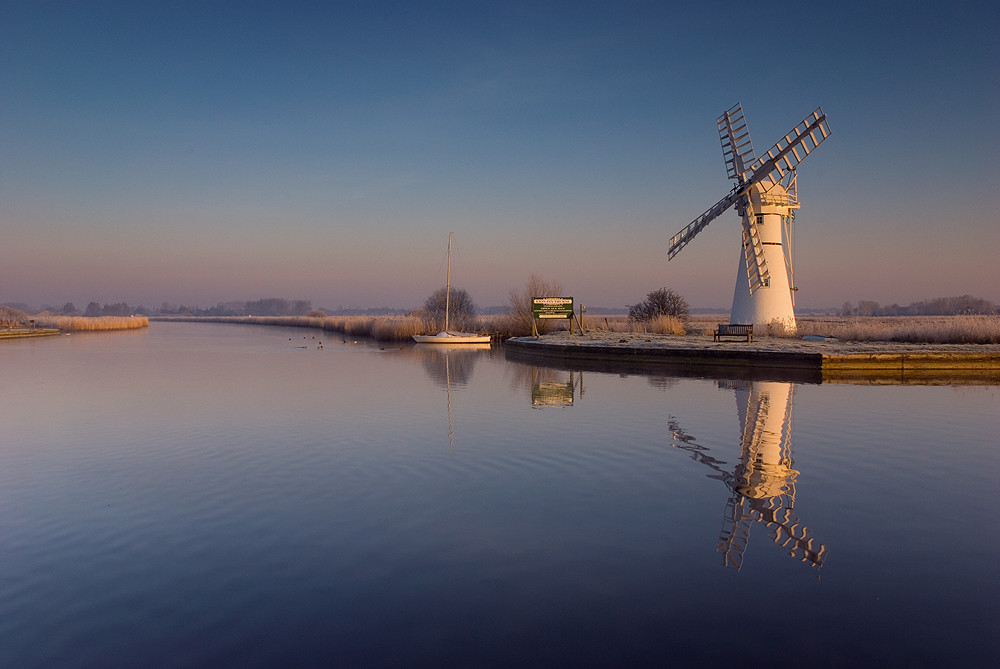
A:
x: 450, y: 363
x: 762, y: 483
x: 553, y: 388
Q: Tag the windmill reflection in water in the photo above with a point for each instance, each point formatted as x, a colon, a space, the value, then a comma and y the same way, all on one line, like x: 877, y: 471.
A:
x: 763, y: 482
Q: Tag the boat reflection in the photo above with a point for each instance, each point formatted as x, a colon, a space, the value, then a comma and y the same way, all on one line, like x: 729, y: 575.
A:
x: 762, y: 483
x: 450, y: 363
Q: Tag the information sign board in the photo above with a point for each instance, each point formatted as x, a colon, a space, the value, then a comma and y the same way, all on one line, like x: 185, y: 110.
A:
x: 552, y: 307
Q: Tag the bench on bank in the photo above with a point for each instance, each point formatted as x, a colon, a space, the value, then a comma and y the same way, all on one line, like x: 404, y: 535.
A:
x: 741, y: 330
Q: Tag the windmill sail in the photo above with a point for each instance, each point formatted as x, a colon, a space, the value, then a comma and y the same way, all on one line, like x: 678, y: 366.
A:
x: 781, y: 158
x: 757, y: 272
x: 738, y: 154
x: 684, y: 237
x: 737, y: 150
x: 791, y: 149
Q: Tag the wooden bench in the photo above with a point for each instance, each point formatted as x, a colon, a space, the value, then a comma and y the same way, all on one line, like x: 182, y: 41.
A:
x: 735, y: 330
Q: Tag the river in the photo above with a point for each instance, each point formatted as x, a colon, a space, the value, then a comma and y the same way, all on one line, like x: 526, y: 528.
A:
x: 228, y: 495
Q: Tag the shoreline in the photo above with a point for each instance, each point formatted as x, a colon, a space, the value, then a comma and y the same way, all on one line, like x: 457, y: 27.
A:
x: 771, y: 357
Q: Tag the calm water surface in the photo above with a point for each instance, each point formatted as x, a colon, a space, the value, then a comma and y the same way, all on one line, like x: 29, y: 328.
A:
x: 220, y: 495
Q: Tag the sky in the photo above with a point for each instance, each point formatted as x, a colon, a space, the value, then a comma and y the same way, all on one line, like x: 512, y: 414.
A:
x: 201, y: 152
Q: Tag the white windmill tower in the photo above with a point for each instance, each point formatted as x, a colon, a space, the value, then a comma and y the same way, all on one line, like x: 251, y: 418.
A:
x: 766, y: 199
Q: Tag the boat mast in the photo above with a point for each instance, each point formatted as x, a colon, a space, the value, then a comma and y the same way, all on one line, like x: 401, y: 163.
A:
x: 447, y: 286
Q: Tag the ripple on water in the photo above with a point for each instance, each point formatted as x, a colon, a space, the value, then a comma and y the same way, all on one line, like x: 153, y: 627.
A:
x: 284, y: 507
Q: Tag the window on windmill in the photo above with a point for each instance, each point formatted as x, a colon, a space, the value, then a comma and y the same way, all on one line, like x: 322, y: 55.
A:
x: 760, y: 219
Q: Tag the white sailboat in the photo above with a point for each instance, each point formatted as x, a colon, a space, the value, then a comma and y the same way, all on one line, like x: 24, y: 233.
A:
x: 448, y: 336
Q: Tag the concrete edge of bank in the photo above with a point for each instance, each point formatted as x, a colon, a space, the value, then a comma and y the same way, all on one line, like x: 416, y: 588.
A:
x: 914, y: 365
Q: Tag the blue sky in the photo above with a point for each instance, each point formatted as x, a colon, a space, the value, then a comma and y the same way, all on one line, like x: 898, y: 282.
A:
x: 197, y: 152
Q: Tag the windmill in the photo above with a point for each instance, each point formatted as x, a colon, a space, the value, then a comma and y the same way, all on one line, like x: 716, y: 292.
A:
x: 766, y: 197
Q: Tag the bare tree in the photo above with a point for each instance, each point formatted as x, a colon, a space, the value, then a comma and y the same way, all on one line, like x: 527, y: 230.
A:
x: 867, y: 308
x: 518, y: 321
x: 461, y: 310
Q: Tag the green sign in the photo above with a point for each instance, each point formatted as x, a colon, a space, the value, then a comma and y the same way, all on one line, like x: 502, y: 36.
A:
x: 552, y: 307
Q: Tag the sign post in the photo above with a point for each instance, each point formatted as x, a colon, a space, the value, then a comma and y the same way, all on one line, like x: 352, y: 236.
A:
x: 551, y: 307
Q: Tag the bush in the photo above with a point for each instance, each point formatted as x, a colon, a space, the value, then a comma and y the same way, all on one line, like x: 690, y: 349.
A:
x: 662, y: 302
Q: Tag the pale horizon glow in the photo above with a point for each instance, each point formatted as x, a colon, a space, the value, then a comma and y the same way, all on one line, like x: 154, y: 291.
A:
x: 197, y: 153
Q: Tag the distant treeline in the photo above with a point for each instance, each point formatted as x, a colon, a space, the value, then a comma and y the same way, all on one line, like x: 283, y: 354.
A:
x: 939, y: 306
x: 279, y: 306
x: 269, y: 306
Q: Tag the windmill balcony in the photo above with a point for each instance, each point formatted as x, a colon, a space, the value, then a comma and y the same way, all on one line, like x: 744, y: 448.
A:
x: 778, y: 199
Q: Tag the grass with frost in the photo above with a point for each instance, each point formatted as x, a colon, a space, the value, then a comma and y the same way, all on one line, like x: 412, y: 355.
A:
x: 909, y: 329
x: 903, y: 329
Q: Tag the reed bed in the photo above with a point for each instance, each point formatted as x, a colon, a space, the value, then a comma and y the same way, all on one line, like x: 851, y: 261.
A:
x: 397, y: 328
x: 392, y: 328
x: 380, y: 328
x: 91, y: 323
x: 665, y: 325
